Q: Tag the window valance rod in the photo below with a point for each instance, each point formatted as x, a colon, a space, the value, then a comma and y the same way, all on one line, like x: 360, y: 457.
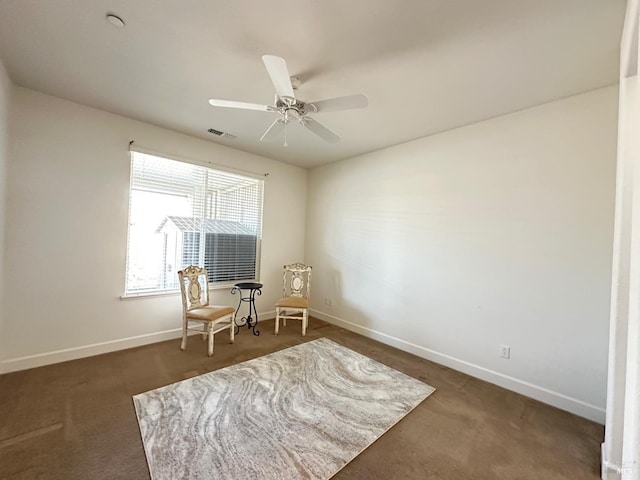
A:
x: 205, y: 163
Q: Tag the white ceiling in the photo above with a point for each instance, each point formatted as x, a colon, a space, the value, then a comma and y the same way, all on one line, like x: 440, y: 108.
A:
x: 426, y: 65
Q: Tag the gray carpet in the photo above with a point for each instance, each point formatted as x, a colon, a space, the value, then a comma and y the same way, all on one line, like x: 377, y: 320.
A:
x: 302, y: 412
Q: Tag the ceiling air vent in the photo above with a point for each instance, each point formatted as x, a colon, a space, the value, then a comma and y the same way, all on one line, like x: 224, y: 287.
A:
x: 213, y: 131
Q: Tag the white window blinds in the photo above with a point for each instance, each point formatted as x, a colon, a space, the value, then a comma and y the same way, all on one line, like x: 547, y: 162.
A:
x: 182, y: 214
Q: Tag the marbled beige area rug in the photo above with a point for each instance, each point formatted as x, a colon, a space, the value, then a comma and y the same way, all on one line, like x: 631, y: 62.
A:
x: 300, y: 413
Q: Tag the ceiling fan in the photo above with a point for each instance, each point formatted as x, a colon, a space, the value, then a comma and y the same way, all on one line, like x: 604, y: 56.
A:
x: 289, y: 108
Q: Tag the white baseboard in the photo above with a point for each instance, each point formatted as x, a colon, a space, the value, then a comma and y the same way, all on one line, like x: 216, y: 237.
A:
x: 73, y: 353
x: 559, y: 400
x: 542, y: 394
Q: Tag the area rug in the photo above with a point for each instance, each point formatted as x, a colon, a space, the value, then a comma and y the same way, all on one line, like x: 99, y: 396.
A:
x: 300, y: 413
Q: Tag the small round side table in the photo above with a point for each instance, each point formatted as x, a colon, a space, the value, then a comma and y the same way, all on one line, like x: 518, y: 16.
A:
x: 253, y: 290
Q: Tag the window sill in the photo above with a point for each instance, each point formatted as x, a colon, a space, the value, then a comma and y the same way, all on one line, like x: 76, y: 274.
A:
x: 168, y: 293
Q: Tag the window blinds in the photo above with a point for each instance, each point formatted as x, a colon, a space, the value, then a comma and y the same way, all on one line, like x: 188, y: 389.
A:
x: 182, y: 214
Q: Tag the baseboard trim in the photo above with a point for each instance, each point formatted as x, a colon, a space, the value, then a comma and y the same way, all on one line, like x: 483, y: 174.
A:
x: 56, y: 356
x: 73, y: 353
x: 556, y: 399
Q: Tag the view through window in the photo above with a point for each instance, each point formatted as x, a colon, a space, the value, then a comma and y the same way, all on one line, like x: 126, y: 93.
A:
x: 182, y: 214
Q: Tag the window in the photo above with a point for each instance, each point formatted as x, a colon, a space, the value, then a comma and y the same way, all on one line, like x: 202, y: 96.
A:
x: 182, y: 214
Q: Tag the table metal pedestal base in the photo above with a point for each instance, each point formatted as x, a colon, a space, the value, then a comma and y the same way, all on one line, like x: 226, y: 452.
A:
x: 251, y: 320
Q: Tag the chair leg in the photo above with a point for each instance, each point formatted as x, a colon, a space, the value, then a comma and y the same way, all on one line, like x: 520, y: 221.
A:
x: 304, y: 322
x: 232, y: 330
x: 210, y: 346
x: 183, y: 345
x: 277, y: 320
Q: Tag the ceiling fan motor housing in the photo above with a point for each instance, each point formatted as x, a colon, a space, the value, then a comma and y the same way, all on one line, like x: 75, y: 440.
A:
x: 297, y: 109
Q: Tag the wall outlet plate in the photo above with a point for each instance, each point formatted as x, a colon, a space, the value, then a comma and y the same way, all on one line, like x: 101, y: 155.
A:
x: 505, y: 351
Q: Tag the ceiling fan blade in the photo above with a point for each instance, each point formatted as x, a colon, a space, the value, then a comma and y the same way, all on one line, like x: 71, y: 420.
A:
x: 246, y: 106
x: 320, y: 130
x: 277, y: 69
x: 339, y: 103
x: 274, y: 131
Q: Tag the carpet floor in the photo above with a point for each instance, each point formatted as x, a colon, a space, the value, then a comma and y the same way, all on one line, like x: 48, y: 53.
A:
x: 76, y: 420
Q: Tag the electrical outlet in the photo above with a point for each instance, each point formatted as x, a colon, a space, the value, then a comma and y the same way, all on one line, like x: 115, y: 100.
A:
x: 505, y: 351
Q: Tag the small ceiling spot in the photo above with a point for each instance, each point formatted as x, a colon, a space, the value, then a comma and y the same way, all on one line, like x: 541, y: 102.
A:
x: 115, y: 20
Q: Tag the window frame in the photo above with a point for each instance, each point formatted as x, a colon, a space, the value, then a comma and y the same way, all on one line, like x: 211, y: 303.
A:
x: 205, y: 205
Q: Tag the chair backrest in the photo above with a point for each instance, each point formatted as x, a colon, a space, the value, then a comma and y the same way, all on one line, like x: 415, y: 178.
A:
x: 296, y: 280
x: 194, y: 287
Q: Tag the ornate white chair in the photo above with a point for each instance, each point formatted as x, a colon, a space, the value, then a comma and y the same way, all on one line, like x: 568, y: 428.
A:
x: 196, y: 308
x: 296, y: 288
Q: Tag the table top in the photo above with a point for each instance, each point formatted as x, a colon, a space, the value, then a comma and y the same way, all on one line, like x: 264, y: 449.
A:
x: 248, y: 285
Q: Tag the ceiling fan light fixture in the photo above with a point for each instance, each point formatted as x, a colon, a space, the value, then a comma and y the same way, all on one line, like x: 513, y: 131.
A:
x: 115, y: 20
x: 292, y: 113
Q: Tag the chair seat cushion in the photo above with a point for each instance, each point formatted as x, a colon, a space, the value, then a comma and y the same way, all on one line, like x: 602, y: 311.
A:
x: 209, y: 313
x: 293, y: 302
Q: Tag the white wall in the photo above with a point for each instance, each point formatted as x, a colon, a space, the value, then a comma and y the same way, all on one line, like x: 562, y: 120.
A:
x: 67, y: 215
x: 495, y: 233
